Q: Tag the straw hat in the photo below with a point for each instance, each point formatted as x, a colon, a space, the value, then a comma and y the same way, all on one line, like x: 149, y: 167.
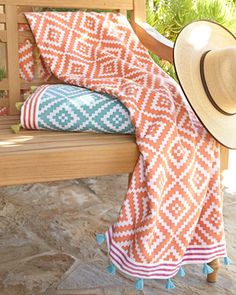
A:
x: 205, y: 63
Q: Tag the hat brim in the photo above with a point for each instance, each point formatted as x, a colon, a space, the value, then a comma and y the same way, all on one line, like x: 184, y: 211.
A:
x: 192, y: 42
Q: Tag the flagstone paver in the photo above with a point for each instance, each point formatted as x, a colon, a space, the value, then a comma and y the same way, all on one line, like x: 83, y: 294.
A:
x: 47, y: 242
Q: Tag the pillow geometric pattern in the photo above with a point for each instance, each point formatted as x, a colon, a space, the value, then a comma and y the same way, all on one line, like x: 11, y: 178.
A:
x: 27, y: 62
x: 72, y: 108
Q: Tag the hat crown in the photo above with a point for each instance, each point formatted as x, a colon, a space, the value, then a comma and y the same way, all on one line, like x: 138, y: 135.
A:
x: 206, y: 69
x: 220, y: 76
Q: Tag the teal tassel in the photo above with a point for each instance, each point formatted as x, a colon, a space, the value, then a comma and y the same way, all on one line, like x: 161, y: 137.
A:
x: 111, y: 269
x: 100, y: 238
x: 227, y: 260
x: 169, y: 284
x: 139, y: 284
x: 207, y: 269
x: 181, y: 272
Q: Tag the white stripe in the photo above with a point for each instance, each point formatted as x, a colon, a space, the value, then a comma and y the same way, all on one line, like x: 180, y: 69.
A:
x: 168, y: 271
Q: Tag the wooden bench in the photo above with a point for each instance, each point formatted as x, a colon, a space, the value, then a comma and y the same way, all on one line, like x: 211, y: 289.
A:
x: 39, y: 156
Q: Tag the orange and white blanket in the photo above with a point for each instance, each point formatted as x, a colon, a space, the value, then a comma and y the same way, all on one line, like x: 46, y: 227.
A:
x: 172, y: 213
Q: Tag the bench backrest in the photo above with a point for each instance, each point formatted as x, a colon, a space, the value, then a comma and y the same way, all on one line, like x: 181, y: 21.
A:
x: 12, y: 16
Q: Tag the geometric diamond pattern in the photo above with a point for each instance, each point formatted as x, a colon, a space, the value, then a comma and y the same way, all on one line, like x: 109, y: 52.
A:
x: 168, y: 217
x: 26, y: 59
x: 26, y: 63
x: 175, y: 208
x: 71, y: 108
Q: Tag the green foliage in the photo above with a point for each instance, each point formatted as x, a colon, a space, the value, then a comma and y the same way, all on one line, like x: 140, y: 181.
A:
x: 2, y: 73
x: 170, y: 16
x: 166, y: 66
x: 2, y: 76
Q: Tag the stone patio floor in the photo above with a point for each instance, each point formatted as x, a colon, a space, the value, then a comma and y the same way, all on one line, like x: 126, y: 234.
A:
x: 47, y: 242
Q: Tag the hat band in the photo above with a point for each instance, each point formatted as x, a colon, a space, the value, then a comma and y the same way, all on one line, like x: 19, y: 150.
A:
x: 204, y: 83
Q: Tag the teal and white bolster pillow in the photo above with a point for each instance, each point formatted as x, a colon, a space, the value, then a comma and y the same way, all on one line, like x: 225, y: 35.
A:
x: 72, y: 108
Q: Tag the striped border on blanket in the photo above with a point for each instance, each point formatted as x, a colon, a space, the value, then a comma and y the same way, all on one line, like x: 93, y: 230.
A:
x: 193, y: 255
x: 29, y: 112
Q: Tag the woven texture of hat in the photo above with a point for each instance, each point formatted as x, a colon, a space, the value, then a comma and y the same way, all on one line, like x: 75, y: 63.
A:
x: 172, y: 213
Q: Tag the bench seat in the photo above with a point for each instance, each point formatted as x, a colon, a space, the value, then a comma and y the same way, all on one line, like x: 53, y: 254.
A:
x: 39, y: 156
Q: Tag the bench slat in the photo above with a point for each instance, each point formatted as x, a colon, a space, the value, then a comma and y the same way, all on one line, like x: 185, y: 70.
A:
x: 69, y: 163
x: 39, y: 156
x: 12, y: 57
x: 54, y: 136
x: 94, y: 4
x: 28, y: 143
x: 4, y: 102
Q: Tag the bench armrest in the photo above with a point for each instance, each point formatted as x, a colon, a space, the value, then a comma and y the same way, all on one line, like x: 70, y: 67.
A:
x: 154, y: 41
